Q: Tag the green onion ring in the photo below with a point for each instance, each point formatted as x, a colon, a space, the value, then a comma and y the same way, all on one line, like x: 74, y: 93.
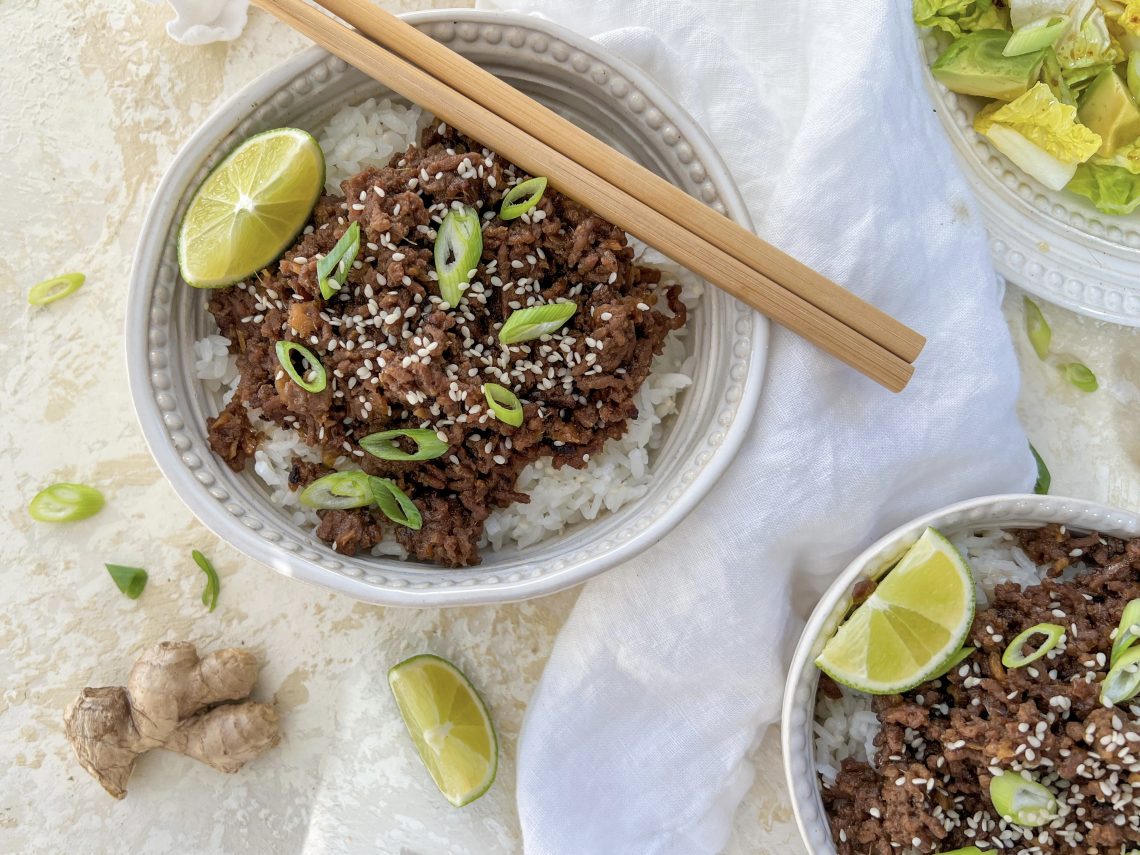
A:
x: 504, y: 404
x: 1022, y: 800
x: 395, y: 504
x: 428, y: 444
x: 1122, y: 682
x: 457, y: 250
x: 1013, y: 657
x: 55, y: 288
x: 1044, y: 479
x: 332, y: 270
x: 1037, y: 35
x: 521, y: 198
x: 338, y: 491
x: 65, y: 503
x: 1037, y: 329
x: 285, y: 351
x: 213, y: 583
x: 1079, y: 375
x: 536, y: 321
x: 130, y: 580
x: 1127, y: 631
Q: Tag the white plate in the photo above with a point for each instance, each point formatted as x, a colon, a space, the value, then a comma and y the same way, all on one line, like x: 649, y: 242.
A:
x: 1053, y: 244
x: 610, y: 99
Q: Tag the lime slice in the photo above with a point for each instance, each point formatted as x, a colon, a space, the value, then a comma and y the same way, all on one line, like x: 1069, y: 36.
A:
x: 250, y: 208
x: 910, y: 628
x: 449, y: 724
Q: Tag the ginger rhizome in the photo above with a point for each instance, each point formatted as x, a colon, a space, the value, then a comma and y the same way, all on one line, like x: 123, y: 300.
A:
x: 173, y: 700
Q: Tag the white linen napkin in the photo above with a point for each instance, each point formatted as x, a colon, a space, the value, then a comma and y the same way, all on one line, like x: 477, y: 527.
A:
x: 670, y: 666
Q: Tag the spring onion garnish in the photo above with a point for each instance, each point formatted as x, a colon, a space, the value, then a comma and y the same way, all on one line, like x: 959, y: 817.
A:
x: 213, y: 583
x: 458, y: 247
x: 1044, y: 479
x: 1038, y: 329
x: 965, y: 850
x: 383, y: 445
x: 1014, y: 658
x: 332, y: 270
x: 1022, y: 800
x: 1053, y: 77
x: 1080, y: 376
x: 338, y: 491
x: 131, y: 580
x: 504, y: 404
x: 395, y: 503
x: 1122, y: 682
x: 1039, y: 34
x: 528, y: 324
x: 1127, y: 632
x: 55, y: 288
x: 521, y: 198
x: 65, y: 503
x: 314, y: 378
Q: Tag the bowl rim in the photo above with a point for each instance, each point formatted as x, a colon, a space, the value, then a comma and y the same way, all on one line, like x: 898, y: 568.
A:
x: 803, y: 675
x: 148, y: 254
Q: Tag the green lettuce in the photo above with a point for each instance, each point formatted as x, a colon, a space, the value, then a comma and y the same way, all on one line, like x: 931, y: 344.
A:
x: 960, y: 16
x: 1040, y: 134
x: 1087, y: 40
x: 1111, y: 183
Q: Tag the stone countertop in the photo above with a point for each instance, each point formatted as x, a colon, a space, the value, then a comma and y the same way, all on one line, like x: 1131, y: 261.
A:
x: 95, y: 101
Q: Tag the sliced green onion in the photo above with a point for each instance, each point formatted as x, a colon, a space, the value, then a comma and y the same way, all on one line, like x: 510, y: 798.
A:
x: 338, y: 491
x: 55, y: 288
x: 1022, y: 800
x: 537, y: 321
x: 458, y: 247
x: 332, y: 270
x: 1080, y: 376
x: 1127, y: 632
x: 130, y: 580
x: 1014, y: 658
x: 213, y: 583
x: 521, y: 198
x: 285, y: 352
x: 65, y: 503
x: 504, y: 404
x: 1053, y: 77
x: 965, y: 850
x: 1122, y: 682
x: 1036, y: 35
x: 1079, y: 78
x: 955, y: 660
x: 1044, y: 479
x: 1037, y: 328
x: 395, y: 503
x: 1133, y: 73
x: 383, y: 445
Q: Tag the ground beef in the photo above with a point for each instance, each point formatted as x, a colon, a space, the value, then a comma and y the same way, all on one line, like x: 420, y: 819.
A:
x: 231, y: 435
x: 397, y: 359
x: 941, y: 744
x: 350, y: 531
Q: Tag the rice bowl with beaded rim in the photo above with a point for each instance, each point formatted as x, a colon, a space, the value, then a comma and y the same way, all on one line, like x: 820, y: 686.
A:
x: 601, y: 500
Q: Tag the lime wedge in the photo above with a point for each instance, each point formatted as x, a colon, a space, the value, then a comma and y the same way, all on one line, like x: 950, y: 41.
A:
x: 250, y: 208
x: 910, y: 628
x: 449, y: 725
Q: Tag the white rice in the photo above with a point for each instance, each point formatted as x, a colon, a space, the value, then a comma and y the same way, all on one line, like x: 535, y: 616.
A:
x: 847, y: 727
x: 368, y: 135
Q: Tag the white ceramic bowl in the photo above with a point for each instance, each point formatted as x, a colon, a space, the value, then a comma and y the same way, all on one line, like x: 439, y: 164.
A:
x: 1014, y: 511
x: 601, y: 93
x: 1054, y: 244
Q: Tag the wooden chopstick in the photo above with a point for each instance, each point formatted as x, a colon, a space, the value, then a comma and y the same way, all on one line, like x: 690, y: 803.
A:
x: 606, y: 199
x: 544, y: 124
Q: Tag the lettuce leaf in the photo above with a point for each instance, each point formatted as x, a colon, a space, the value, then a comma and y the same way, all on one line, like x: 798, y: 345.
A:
x: 960, y: 16
x: 1039, y: 134
x: 1129, y: 19
x: 1113, y: 189
x: 1087, y: 41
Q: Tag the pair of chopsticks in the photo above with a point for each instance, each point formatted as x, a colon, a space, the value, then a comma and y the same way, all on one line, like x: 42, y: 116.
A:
x: 591, y: 173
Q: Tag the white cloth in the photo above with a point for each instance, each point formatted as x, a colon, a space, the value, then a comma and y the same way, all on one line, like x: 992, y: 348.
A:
x: 670, y: 667
x: 200, y: 22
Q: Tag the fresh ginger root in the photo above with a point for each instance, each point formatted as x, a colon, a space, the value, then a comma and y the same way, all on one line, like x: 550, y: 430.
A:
x: 176, y: 701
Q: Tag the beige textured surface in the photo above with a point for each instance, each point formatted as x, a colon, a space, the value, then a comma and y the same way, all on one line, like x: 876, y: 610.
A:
x: 94, y: 101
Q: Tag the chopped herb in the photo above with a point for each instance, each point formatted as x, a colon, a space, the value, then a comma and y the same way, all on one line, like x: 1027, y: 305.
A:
x: 213, y: 583
x: 1127, y: 632
x: 536, y: 321
x: 383, y: 445
x: 458, y: 248
x: 1122, y: 683
x: 395, y: 503
x: 131, y: 580
x: 1044, y: 479
x: 1014, y: 658
x: 66, y: 503
x: 55, y: 288
x: 314, y: 378
x: 504, y: 404
x: 1038, y: 329
x: 338, y: 491
x: 1080, y: 376
x: 1022, y: 800
x: 521, y: 198
x: 332, y: 270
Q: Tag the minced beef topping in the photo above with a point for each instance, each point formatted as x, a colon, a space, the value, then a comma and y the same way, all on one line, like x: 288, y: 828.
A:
x: 941, y: 744
x: 396, y: 358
